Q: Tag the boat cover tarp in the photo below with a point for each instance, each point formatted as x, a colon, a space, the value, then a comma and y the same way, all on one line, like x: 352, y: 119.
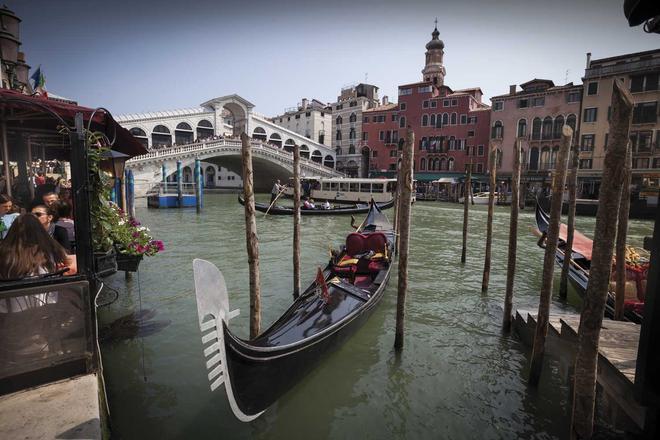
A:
x: 581, y: 243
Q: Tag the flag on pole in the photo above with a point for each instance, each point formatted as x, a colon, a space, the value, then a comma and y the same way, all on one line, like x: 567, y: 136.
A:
x: 39, y: 82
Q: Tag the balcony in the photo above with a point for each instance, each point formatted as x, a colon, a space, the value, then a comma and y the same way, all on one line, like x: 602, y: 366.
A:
x: 626, y: 67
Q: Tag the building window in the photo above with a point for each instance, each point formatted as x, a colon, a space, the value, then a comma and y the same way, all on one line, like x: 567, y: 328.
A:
x: 480, y: 168
x: 558, y: 125
x: 381, y: 135
x: 644, y: 83
x: 497, y: 130
x: 340, y: 106
x: 454, y: 102
x: 590, y: 114
x: 453, y: 119
x: 425, y: 89
x: 338, y: 135
x: 434, y: 104
x: 446, y: 103
x: 393, y: 153
x: 538, y: 101
x: 656, y: 162
x: 641, y: 162
x: 645, y: 113
x: 470, y: 133
x: 570, y: 121
x: 522, y: 128
x: 365, y: 120
x: 353, y: 103
x: 374, y: 153
x: 585, y: 164
x: 395, y: 118
x: 592, y: 88
x: 433, y: 121
x: 445, y: 119
x: 365, y: 136
x: 463, y: 119
x: 498, y: 105
x: 404, y: 92
x: 425, y: 104
x: 523, y: 103
x: 402, y: 122
x: 536, y: 129
x: 640, y: 141
x: 573, y: 97
x: 351, y: 149
x: 308, y: 114
x: 480, y: 150
x: 422, y: 164
x: 402, y: 106
x: 587, y: 143
x: 425, y: 120
x: 338, y: 121
x: 352, y: 118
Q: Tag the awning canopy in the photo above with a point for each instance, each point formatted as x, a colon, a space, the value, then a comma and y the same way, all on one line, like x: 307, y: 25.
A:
x: 442, y: 180
x: 42, y: 115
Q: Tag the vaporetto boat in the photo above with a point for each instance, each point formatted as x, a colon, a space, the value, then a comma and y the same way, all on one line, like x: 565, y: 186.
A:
x: 346, y: 189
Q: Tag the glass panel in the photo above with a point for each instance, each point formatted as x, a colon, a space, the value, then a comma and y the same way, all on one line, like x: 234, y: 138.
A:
x: 365, y: 187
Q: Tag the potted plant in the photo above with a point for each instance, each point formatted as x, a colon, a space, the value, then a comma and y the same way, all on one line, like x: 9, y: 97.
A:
x: 132, y: 241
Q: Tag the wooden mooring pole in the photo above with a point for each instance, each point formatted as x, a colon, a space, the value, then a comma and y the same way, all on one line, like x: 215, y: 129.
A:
x: 296, y: 221
x: 406, y: 180
x: 621, y: 238
x: 251, y: 239
x: 466, y: 208
x: 179, y: 183
x: 198, y: 186
x: 591, y: 319
x: 489, y: 225
x: 513, y: 238
x: 397, y: 206
x: 558, y: 183
x: 570, y: 225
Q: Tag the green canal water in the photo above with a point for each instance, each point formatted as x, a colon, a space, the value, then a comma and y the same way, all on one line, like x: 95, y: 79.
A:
x: 457, y: 378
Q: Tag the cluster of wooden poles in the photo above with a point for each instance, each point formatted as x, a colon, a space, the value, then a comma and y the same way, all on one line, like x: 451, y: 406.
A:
x: 401, y: 226
x: 611, y: 226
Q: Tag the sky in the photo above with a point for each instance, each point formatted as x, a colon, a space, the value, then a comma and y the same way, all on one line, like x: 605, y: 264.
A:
x: 147, y: 55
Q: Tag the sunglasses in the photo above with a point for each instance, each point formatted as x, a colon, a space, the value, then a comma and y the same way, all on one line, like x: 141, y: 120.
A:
x: 39, y: 214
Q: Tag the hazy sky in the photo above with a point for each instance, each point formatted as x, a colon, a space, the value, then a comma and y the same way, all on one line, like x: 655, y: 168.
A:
x: 136, y: 56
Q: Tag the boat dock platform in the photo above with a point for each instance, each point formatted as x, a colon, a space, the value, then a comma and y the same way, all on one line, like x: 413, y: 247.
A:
x: 65, y: 409
x: 617, y: 358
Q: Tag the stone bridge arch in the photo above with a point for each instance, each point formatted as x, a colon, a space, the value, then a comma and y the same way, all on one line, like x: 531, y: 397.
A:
x: 240, y: 109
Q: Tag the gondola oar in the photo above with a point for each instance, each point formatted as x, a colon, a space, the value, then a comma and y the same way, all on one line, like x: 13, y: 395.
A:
x: 275, y: 200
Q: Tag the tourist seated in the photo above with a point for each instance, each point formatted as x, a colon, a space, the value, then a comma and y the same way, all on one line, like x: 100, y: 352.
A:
x: 326, y: 205
x: 47, y: 217
x: 29, y: 251
x: 311, y: 204
x: 7, y: 216
x: 66, y: 221
x: 306, y: 204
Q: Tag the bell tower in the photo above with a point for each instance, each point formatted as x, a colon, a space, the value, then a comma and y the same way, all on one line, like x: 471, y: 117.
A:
x: 434, y: 71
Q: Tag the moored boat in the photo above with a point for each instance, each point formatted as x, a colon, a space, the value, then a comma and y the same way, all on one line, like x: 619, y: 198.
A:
x: 357, y: 208
x: 257, y: 372
x: 579, y: 270
x: 346, y: 189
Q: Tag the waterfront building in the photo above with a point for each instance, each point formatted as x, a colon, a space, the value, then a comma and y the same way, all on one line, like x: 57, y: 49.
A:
x: 311, y: 119
x: 451, y: 126
x: 534, y: 116
x: 639, y: 73
x: 347, y: 126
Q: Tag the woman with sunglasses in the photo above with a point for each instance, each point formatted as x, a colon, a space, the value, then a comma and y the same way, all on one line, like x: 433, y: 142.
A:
x: 47, y: 215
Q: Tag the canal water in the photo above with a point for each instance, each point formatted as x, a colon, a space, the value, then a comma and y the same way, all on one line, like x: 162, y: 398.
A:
x: 457, y: 378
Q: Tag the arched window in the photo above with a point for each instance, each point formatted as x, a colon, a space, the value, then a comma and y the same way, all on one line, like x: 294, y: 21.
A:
x: 402, y: 122
x: 425, y: 120
x: 338, y: 121
x: 452, y: 143
x: 547, y: 128
x: 338, y: 135
x: 534, y: 158
x: 317, y: 156
x: 204, y: 129
x: 433, y: 121
x: 536, y: 129
x: 351, y: 149
x: 210, y: 176
x: 161, y: 137
x: 553, y: 156
x: 570, y: 121
x: 522, y: 128
x: 276, y: 140
x: 289, y: 144
x: 304, y: 151
x: 141, y: 136
x: 498, y: 130
x: 329, y: 161
x: 340, y: 165
x: 545, y: 158
x: 352, y: 118
x: 422, y: 164
x: 338, y: 150
x: 450, y: 164
x: 441, y: 163
x: 351, y: 134
x: 445, y: 118
x: 453, y: 118
x: 183, y: 134
x: 558, y: 125
x: 187, y: 175
x: 259, y: 133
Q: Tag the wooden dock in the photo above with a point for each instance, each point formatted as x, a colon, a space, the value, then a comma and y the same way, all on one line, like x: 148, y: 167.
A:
x: 617, y: 356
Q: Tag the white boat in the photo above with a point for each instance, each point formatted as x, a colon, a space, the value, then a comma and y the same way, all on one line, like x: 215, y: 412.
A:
x: 481, y: 198
x: 346, y: 189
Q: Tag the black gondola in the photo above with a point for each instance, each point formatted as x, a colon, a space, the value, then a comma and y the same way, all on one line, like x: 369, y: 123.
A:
x: 578, y: 272
x: 356, y: 208
x: 257, y: 372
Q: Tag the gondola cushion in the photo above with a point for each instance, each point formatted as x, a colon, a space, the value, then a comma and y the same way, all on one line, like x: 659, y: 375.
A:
x: 355, y: 243
x: 376, y: 241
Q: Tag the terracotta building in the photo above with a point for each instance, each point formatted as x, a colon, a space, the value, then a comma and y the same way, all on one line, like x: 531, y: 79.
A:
x: 535, y: 116
x: 451, y: 127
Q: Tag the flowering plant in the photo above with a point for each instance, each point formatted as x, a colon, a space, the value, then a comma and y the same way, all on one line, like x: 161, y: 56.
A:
x: 131, y: 238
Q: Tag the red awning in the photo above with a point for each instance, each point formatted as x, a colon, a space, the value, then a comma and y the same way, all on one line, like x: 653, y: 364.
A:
x: 24, y: 112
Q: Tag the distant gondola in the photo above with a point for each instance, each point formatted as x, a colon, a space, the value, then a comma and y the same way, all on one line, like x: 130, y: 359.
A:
x: 356, y: 208
x: 580, y: 263
x: 258, y: 372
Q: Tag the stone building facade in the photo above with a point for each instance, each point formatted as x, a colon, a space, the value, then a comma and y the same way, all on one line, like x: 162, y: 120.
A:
x: 312, y: 119
x: 13, y: 68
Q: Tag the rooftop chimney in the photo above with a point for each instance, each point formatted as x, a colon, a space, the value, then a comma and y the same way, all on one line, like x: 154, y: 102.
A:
x: 588, y: 60
x: 386, y: 100
x: 512, y: 89
x: 304, y: 103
